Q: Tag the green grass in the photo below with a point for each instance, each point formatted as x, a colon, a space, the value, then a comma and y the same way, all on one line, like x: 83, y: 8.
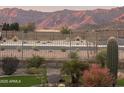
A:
x: 19, y: 81
x: 120, y: 82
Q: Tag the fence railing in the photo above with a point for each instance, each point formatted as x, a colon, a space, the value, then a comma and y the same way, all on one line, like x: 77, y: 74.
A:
x: 53, y: 45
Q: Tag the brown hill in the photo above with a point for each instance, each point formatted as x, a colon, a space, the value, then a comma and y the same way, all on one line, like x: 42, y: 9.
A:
x: 73, y: 19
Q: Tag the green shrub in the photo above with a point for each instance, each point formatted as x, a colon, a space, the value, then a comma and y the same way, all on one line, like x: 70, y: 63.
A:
x: 9, y: 65
x: 35, y: 61
x: 73, y: 55
x: 67, y: 79
x: 101, y: 57
x: 44, y: 78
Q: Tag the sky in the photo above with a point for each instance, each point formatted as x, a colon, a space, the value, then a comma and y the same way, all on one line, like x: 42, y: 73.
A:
x: 56, y: 8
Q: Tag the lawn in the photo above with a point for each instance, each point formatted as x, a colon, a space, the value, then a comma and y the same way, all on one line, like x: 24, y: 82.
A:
x: 19, y: 81
x: 120, y: 82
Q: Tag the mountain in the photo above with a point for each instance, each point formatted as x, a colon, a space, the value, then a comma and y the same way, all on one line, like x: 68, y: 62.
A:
x: 21, y: 16
x: 83, y: 19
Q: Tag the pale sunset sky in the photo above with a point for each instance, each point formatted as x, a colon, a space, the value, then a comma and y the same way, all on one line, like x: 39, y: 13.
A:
x: 56, y: 8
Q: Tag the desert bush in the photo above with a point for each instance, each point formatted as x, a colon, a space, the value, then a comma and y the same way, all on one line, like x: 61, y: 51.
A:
x: 34, y: 61
x: 97, y: 77
x: 15, y: 38
x: 33, y: 70
x: 9, y: 65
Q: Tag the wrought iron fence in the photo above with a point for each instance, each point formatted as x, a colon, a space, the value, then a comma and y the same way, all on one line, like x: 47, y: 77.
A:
x: 54, y: 45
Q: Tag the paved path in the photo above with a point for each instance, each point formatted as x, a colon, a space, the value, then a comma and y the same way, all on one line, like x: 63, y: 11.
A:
x: 53, y: 75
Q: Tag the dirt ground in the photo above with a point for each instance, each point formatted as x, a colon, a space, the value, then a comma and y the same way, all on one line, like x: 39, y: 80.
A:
x: 50, y: 54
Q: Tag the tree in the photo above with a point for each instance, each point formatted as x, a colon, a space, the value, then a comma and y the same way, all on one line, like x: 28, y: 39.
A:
x: 6, y: 27
x: 74, y: 69
x: 31, y: 26
x: 65, y: 30
x: 9, y: 65
x: 27, y: 27
x: 16, y: 26
x: 11, y: 27
x: 101, y: 57
x: 97, y: 77
x: 24, y: 28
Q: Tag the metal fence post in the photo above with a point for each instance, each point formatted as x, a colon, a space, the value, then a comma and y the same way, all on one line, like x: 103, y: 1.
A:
x: 96, y: 43
x: 70, y: 40
x: 0, y: 45
x: 22, y: 44
x: 87, y: 49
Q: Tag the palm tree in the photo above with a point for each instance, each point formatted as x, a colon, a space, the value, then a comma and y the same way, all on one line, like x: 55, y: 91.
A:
x: 74, y: 69
x: 65, y: 30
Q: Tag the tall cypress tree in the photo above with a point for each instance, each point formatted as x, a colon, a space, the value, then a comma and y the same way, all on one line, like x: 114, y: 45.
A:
x: 5, y: 28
